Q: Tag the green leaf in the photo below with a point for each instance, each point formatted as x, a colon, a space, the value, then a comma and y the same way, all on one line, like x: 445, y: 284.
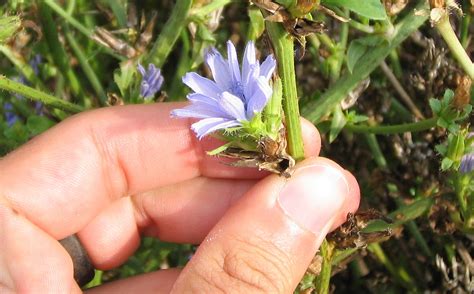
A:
x: 8, y: 26
x: 401, y: 215
x: 37, y: 124
x: 448, y: 96
x: 354, y: 53
x: 257, y: 23
x: 372, y: 9
x: 124, y: 77
x: 446, y: 164
x: 435, y: 105
x: 442, y: 123
x: 359, y: 47
x: 316, y: 110
x: 18, y: 133
x: 219, y: 149
x: 337, y: 124
x: 118, y: 8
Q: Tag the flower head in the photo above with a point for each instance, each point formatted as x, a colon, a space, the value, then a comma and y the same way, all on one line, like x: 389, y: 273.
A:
x: 467, y: 163
x: 151, y: 80
x: 234, y: 97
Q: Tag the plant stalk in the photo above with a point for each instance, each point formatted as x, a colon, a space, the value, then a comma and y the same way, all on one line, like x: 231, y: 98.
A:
x: 36, y: 95
x: 446, y: 30
x: 284, y: 50
x: 170, y: 33
x: 419, y: 126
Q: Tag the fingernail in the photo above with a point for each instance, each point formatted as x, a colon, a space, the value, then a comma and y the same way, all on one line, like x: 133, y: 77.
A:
x: 313, y: 196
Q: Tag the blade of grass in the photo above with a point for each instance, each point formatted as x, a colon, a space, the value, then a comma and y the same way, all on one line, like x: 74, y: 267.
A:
x: 58, y: 53
x: 170, y: 33
x: 71, y: 20
x: 86, y: 67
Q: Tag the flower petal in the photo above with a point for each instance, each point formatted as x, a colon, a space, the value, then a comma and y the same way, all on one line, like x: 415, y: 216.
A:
x: 144, y: 89
x: 248, y: 61
x: 249, y: 81
x: 209, y: 125
x: 260, y: 97
x: 199, y: 98
x: 233, y: 106
x: 268, y: 67
x: 467, y: 163
x: 219, y: 68
x: 201, y: 85
x: 199, y: 111
x: 141, y: 69
x: 233, y: 62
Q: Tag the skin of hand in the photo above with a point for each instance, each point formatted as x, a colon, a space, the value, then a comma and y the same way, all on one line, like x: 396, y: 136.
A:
x: 112, y: 175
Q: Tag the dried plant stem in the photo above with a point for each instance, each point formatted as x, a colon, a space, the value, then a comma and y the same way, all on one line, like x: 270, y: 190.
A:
x: 446, y: 30
x: 284, y: 50
x: 401, y: 91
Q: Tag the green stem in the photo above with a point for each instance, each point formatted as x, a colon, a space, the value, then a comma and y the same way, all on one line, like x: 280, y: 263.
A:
x: 36, y: 95
x: 355, y: 24
x: 86, y: 67
x: 316, y: 109
x: 399, y: 273
x: 284, y: 50
x: 340, y: 52
x: 394, y: 129
x: 324, y: 278
x: 395, y: 63
x: 57, y: 51
x: 446, y: 30
x: 466, y: 22
x: 71, y: 20
x: 205, y: 10
x: 327, y: 41
x: 23, y: 67
x: 170, y: 33
x: 376, y: 151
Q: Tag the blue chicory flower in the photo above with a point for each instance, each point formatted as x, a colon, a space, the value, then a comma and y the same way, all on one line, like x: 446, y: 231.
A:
x: 151, y: 80
x: 467, y: 163
x: 234, y: 97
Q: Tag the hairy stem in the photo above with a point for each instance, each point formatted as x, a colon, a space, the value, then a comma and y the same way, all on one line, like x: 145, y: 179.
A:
x: 36, y: 95
x: 284, y: 50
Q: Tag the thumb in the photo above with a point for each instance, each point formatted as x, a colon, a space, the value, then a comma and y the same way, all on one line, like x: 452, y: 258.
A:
x: 266, y: 241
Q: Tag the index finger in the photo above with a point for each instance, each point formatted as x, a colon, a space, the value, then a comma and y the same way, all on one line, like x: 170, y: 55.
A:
x: 71, y: 172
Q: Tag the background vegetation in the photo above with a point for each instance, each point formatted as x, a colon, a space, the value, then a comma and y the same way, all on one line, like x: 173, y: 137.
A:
x: 388, y: 83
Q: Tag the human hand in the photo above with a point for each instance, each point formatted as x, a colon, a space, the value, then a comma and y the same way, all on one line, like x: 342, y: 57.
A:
x: 112, y: 175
